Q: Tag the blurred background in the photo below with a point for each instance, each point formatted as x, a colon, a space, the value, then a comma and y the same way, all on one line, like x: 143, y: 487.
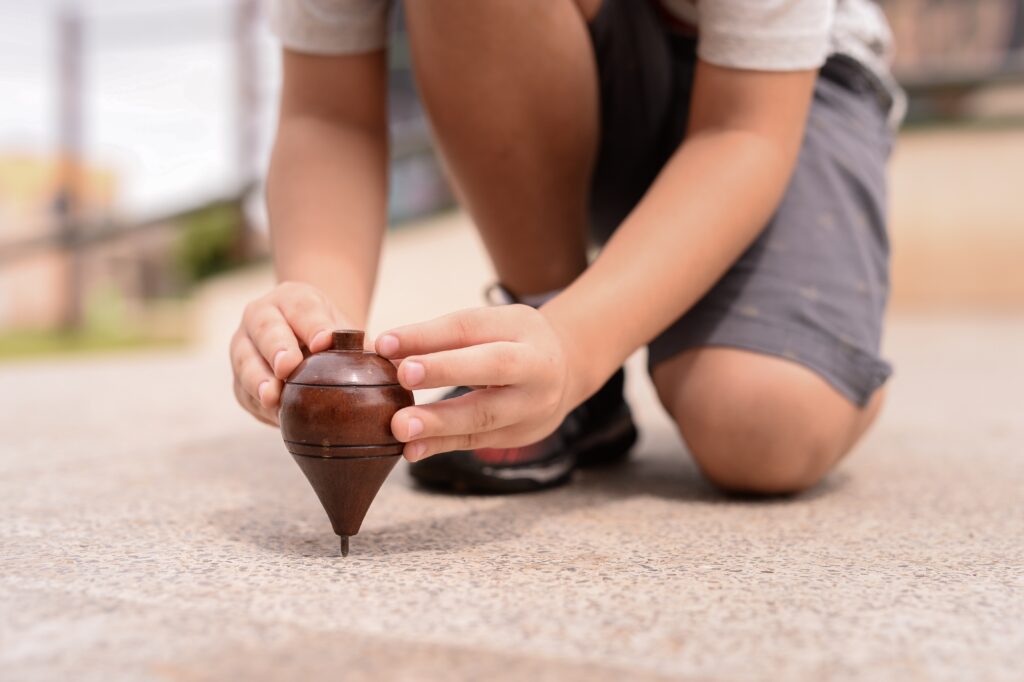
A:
x: 151, y: 529
x: 133, y: 135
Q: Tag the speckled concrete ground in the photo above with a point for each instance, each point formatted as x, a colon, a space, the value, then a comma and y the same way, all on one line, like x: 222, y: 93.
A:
x: 150, y: 531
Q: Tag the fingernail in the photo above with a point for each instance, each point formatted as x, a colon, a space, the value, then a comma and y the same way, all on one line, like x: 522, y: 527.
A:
x: 277, y: 360
x: 387, y: 345
x: 414, y: 373
x: 262, y: 387
x: 321, y: 336
x: 414, y: 427
x: 414, y: 451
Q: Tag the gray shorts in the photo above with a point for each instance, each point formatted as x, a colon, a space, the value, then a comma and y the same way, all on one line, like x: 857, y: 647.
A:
x: 813, y: 286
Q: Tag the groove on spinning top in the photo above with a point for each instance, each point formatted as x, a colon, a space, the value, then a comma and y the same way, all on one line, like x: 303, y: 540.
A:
x: 336, y: 410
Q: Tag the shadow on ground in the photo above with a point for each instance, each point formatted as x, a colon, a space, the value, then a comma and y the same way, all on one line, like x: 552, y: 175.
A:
x: 284, y: 518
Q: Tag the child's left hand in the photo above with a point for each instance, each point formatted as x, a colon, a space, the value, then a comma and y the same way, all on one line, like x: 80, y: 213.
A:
x: 519, y: 362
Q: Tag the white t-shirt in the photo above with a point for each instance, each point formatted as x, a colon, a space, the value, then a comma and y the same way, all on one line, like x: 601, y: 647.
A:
x: 765, y: 35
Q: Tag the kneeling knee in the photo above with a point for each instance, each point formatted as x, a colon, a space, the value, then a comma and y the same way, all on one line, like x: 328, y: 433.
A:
x: 745, y: 454
x: 756, y: 424
x: 760, y: 469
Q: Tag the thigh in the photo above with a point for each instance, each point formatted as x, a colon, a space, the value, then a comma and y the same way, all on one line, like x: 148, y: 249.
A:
x: 812, y: 288
x: 645, y: 74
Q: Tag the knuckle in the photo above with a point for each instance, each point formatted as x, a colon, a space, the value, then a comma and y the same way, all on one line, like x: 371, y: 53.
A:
x: 303, y: 304
x: 241, y: 361
x: 245, y: 396
x: 524, y: 315
x: 306, y: 314
x: 245, y: 401
x: 249, y: 312
x: 463, y: 329
x: 235, y: 347
x: 288, y: 288
x: 240, y: 394
x: 483, y: 418
x: 263, y: 326
x: 251, y: 369
x: 253, y: 406
x: 509, y: 361
x: 236, y: 366
x: 251, y: 385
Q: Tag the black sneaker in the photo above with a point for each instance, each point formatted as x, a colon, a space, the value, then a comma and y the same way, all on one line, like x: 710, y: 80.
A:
x: 599, y: 432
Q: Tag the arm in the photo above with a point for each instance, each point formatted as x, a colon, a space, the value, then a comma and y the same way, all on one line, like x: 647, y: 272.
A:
x: 708, y: 204
x: 326, y: 196
x: 327, y: 184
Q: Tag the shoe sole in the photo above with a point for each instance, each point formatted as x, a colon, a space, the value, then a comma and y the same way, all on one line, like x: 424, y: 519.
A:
x: 602, y: 449
x: 503, y: 481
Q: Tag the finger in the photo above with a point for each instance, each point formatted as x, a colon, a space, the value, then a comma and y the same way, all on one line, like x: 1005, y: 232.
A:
x: 254, y: 375
x: 421, y: 449
x: 490, y: 364
x: 456, y: 330
x: 309, y: 314
x: 253, y: 407
x: 476, y: 412
x: 427, y: 447
x: 270, y: 332
x: 234, y: 350
x: 241, y: 352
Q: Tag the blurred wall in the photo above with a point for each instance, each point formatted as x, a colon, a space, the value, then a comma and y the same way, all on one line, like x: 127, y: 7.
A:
x: 958, y: 35
x: 957, y: 219
x: 177, y: 101
x: 957, y: 216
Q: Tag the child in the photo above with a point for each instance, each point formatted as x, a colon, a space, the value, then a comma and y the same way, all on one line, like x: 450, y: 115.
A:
x: 730, y: 157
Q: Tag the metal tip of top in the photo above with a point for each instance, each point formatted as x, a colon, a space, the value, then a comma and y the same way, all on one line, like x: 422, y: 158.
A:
x: 344, y: 545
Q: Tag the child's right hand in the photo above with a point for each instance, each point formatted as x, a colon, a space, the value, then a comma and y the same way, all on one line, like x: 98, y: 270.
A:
x: 266, y: 347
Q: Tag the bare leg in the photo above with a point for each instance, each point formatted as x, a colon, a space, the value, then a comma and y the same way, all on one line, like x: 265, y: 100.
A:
x: 759, y: 424
x: 511, y: 90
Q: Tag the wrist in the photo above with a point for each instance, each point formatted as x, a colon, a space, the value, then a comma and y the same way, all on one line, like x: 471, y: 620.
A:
x: 589, y: 362
x: 344, y: 289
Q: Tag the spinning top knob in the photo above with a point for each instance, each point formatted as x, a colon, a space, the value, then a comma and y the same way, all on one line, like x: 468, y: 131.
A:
x: 336, y: 410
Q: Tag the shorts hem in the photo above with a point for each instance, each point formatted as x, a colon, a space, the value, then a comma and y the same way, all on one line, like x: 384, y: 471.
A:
x: 855, y: 373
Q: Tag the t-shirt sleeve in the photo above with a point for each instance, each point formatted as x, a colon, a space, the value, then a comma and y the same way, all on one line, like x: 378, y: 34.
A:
x: 765, y: 35
x: 330, y: 26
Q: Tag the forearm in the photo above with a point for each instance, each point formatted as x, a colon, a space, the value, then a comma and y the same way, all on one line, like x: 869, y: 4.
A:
x: 327, y: 203
x: 705, y: 208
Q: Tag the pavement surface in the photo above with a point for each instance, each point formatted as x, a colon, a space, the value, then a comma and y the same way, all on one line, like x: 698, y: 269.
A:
x: 150, y: 530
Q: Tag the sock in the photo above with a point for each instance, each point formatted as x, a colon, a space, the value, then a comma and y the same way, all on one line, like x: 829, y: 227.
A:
x: 537, y: 300
x: 500, y: 294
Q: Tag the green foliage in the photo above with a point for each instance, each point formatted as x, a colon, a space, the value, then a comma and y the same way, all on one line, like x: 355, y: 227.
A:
x: 38, y: 343
x: 109, y: 325
x: 105, y: 312
x: 209, y: 242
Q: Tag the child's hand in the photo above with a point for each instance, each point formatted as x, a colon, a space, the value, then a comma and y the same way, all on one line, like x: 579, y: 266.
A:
x: 265, y: 349
x: 512, y: 353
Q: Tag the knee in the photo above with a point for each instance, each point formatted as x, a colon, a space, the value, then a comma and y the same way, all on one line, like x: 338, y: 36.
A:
x: 757, y: 438
x: 763, y: 461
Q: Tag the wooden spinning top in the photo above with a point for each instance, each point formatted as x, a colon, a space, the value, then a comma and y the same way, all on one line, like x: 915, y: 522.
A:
x: 336, y: 410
